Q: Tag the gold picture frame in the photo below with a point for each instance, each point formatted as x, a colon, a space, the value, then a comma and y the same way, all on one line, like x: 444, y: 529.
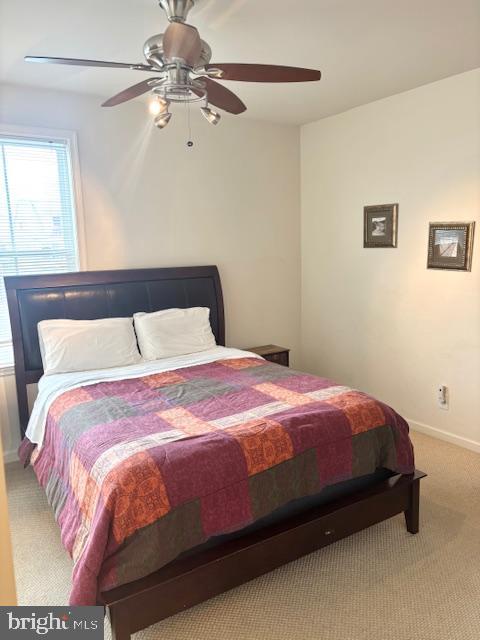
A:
x: 450, y: 245
x: 380, y: 226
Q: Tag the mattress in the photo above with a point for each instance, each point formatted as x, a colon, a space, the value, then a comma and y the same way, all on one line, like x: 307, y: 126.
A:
x: 146, y: 463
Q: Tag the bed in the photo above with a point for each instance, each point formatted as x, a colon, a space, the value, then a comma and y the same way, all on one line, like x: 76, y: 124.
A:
x: 177, y: 480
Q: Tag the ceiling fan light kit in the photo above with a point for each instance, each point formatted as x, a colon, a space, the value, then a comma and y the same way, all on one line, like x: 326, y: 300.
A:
x: 181, y: 60
x: 157, y: 105
x: 162, y: 119
x: 210, y: 114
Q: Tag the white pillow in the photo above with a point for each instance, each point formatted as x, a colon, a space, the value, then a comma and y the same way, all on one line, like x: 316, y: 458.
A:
x: 173, y: 332
x: 81, y: 345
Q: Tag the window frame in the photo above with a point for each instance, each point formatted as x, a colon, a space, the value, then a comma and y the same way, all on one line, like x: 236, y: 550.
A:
x: 70, y: 139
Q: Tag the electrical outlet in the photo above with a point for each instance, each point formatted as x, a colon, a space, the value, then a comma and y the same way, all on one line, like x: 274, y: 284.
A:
x: 443, y: 396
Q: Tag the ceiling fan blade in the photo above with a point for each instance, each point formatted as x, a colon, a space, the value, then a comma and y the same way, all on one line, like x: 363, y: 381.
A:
x: 88, y: 63
x: 130, y: 93
x: 222, y: 97
x: 181, y: 41
x: 263, y: 73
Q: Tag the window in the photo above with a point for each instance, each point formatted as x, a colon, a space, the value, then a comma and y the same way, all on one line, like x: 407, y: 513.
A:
x: 37, y: 215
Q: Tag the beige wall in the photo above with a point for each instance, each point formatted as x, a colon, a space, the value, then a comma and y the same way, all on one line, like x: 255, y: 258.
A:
x: 232, y: 200
x: 377, y: 318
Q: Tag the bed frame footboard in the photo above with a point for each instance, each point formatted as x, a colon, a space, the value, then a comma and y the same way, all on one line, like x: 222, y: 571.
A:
x: 193, y: 579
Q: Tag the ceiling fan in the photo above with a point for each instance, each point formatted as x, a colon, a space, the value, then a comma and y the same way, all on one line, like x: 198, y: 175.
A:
x: 182, y: 61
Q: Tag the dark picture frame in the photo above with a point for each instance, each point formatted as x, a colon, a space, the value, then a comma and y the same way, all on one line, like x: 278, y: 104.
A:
x: 380, y: 225
x: 450, y: 245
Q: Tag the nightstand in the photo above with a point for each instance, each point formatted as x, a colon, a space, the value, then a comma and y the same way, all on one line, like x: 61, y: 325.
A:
x: 272, y: 353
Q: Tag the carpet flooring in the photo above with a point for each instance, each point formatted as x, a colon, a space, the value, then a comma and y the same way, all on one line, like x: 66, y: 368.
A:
x: 380, y: 584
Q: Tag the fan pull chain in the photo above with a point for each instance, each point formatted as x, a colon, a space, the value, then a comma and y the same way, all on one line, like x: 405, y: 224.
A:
x: 189, y: 126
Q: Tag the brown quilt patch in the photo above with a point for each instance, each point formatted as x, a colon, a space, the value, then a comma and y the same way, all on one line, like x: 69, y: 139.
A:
x: 373, y: 450
x: 156, y: 545
x: 287, y: 481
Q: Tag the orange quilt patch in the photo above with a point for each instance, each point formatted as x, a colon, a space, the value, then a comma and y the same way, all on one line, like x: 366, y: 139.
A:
x: 285, y: 395
x: 136, y: 493
x: 265, y: 443
x: 242, y: 363
x: 185, y: 421
x: 84, y: 488
x: 157, y: 380
x: 362, y: 412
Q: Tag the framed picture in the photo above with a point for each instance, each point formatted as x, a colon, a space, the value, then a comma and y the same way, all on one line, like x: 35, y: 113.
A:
x: 450, y: 245
x: 380, y: 223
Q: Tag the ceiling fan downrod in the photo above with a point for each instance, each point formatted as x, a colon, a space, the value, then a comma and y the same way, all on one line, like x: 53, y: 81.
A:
x: 176, y: 10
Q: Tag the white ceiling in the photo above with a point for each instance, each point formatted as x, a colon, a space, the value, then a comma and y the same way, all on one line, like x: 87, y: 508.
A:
x: 366, y: 49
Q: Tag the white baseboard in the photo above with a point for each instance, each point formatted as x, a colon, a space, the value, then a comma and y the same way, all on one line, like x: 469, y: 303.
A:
x: 10, y: 456
x: 460, y: 441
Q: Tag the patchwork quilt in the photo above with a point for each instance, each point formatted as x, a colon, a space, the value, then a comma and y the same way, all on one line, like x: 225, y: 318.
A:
x: 141, y: 470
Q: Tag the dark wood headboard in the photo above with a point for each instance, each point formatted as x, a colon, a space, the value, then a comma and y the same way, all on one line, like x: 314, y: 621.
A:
x: 89, y: 295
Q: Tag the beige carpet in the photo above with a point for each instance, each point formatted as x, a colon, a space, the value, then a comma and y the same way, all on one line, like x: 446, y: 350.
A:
x: 381, y: 584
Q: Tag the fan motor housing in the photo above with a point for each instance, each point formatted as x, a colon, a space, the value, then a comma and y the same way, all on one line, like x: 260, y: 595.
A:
x: 153, y: 51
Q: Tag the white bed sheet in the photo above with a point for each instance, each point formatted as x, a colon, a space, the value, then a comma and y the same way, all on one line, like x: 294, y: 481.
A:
x: 50, y: 387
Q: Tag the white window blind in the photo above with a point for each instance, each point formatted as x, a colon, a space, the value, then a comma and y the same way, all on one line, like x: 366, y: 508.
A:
x: 37, y: 216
